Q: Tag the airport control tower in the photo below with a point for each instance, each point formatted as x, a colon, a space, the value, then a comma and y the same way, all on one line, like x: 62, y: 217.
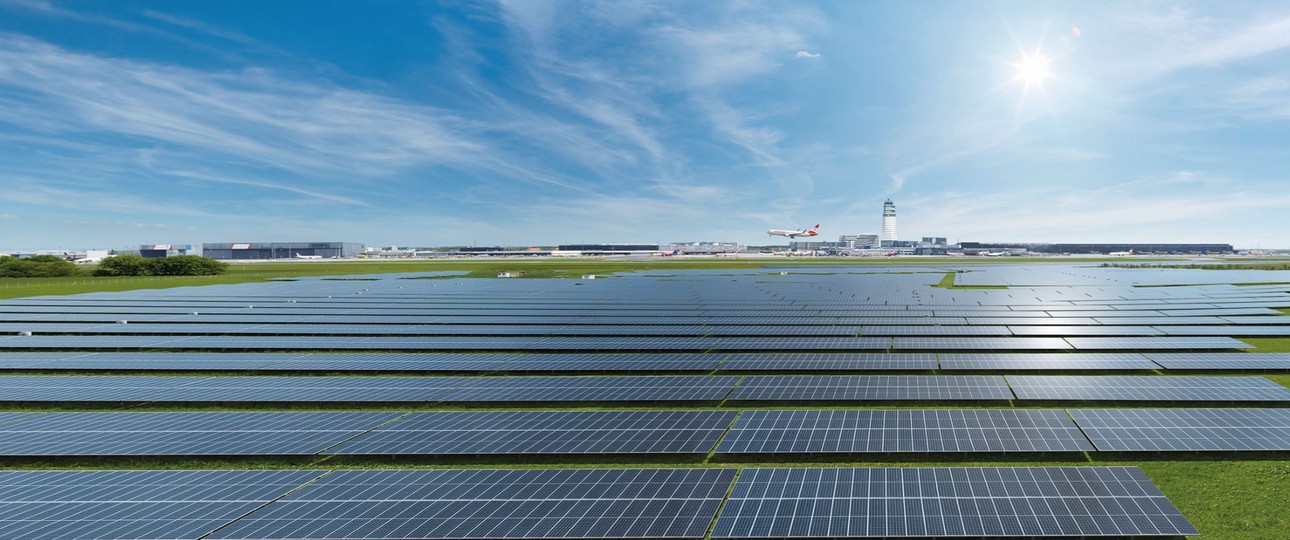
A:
x: 888, y: 221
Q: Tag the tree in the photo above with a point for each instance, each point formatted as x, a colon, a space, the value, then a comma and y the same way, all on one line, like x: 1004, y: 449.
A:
x: 122, y: 265
x: 186, y: 265
x: 38, y: 266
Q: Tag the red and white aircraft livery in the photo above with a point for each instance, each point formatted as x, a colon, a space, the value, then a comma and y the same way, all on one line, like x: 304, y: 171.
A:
x: 794, y: 233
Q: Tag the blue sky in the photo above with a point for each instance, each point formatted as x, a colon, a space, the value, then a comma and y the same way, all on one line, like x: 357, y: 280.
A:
x: 531, y: 122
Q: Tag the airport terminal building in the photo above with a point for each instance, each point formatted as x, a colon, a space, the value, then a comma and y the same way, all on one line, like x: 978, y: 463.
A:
x: 281, y: 250
x: 1082, y: 249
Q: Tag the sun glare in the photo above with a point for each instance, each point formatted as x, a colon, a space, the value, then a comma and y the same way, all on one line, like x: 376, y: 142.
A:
x: 1033, y: 70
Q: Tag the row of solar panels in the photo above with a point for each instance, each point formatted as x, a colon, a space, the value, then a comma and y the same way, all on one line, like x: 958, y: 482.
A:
x: 15, y: 322
x: 715, y: 388
x: 639, y: 362
x: 311, y: 329
x: 810, y: 313
x: 606, y: 343
x: 588, y: 503
x: 641, y: 432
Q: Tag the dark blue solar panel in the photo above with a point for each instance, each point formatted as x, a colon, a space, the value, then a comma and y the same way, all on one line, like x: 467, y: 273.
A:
x: 829, y: 362
x: 546, y: 432
x: 1186, y: 429
x: 565, y: 503
x: 1146, y: 388
x: 947, y: 502
x: 55, y: 505
x: 870, y: 387
x: 943, y: 430
x: 529, y: 389
x: 1218, y: 361
x: 183, y: 433
x: 1043, y: 362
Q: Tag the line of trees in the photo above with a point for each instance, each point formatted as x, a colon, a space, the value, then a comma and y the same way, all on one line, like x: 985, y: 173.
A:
x: 180, y: 265
x: 118, y: 265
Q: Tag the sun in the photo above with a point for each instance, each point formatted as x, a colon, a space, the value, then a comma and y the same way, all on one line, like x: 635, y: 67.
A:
x: 1033, y: 69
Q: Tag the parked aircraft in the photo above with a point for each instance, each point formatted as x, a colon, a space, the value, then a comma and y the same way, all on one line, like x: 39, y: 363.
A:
x: 1122, y: 253
x: 299, y: 256
x: 794, y: 233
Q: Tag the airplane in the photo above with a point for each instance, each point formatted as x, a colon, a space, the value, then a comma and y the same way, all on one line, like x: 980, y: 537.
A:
x: 88, y: 260
x: 794, y: 233
x: 1121, y: 253
x: 996, y: 254
x: 299, y: 256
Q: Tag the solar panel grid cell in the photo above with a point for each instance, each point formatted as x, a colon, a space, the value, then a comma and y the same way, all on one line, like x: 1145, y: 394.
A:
x: 870, y: 387
x: 1146, y: 388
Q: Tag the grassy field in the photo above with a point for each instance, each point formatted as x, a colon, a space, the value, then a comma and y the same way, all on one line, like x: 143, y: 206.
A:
x: 474, y: 268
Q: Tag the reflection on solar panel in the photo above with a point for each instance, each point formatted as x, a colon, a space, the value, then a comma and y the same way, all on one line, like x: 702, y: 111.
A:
x: 870, y: 387
x: 1270, y: 361
x: 1186, y: 429
x: 567, y: 503
x: 1147, y: 388
x: 957, y: 430
x: 1040, y: 362
x: 936, y: 502
x: 1148, y: 343
x: 829, y: 362
x: 591, y: 432
x: 934, y: 331
x: 979, y: 343
x: 184, y: 433
x: 1228, y: 330
x: 524, y: 389
x: 1094, y: 330
x: 134, y: 504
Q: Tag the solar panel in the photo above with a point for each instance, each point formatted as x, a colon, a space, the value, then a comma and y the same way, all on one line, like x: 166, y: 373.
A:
x: 1228, y: 330
x: 963, y: 330
x: 542, y: 432
x: 184, y: 433
x: 979, y: 343
x: 870, y: 387
x: 312, y: 389
x: 564, y: 503
x: 1215, y: 361
x: 829, y: 362
x: 1149, y: 343
x: 937, y: 430
x: 558, y: 389
x: 1093, y: 330
x: 947, y: 502
x: 1045, y: 362
x: 134, y: 504
x: 1186, y: 429
x: 1146, y: 388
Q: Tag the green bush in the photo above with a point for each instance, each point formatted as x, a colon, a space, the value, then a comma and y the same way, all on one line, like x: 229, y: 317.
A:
x: 186, y: 265
x: 181, y: 265
x: 38, y: 266
x: 122, y: 265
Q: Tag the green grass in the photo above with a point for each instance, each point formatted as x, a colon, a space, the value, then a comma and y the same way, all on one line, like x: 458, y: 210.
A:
x: 1265, y: 345
x: 947, y: 282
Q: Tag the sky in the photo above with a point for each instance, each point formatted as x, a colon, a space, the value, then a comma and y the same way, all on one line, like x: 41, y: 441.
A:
x: 530, y: 122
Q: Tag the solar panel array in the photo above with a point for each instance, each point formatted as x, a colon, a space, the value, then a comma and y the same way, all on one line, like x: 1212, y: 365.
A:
x: 851, y: 338
x: 947, y: 502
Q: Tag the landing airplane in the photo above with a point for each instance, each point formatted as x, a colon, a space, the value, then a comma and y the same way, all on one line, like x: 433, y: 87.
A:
x: 299, y: 256
x: 794, y: 233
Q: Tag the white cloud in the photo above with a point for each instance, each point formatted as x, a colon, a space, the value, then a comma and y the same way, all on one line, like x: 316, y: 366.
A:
x: 8, y: 217
x: 806, y: 54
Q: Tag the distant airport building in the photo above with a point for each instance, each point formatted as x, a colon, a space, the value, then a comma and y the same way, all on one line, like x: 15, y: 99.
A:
x: 703, y: 248
x: 935, y: 240
x: 861, y: 241
x: 888, y: 221
x: 972, y: 248
x: 608, y: 249
x: 281, y: 250
x: 161, y: 251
